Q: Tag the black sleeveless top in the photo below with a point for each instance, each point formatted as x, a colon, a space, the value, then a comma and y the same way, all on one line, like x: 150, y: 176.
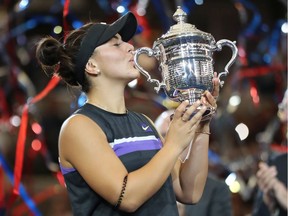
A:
x: 135, y: 141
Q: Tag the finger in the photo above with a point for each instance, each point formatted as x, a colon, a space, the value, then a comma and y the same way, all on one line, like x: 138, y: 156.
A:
x: 198, y: 115
x: 216, y: 86
x: 192, y: 108
x: 190, y: 111
x: 180, y: 110
x: 271, y: 183
x: 262, y: 167
x: 267, y: 177
x: 269, y: 172
x: 266, y: 172
x: 208, y: 99
x: 195, y: 124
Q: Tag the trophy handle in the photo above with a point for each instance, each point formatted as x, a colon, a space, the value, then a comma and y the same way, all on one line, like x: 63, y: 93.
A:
x: 225, y: 42
x: 149, y: 52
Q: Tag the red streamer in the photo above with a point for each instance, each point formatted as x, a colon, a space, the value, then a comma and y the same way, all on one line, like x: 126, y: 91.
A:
x: 24, y: 120
x: 39, y: 198
x: 279, y: 148
x: 22, y: 133
x: 260, y: 71
x: 20, y: 150
x: 65, y: 14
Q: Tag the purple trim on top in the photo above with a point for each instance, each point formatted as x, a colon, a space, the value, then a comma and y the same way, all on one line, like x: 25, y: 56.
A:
x: 66, y: 170
x: 128, y: 147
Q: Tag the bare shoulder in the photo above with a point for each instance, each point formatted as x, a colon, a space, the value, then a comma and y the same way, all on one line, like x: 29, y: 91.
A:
x: 78, y: 127
x: 84, y: 146
x: 77, y: 134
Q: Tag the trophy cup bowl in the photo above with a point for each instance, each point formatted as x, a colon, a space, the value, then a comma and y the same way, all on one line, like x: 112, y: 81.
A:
x: 185, y: 57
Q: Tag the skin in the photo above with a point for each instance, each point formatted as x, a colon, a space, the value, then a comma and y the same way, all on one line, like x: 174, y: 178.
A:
x: 109, y: 69
x: 271, y: 187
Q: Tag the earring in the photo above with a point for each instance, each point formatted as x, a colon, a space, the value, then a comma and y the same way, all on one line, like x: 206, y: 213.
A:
x: 98, y: 72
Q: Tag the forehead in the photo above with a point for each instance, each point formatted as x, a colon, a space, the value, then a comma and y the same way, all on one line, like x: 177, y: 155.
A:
x: 116, y: 37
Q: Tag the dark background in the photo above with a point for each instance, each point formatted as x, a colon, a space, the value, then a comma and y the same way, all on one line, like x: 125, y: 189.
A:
x: 259, y: 73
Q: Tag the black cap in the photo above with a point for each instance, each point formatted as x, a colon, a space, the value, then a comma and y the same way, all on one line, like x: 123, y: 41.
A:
x: 99, y: 34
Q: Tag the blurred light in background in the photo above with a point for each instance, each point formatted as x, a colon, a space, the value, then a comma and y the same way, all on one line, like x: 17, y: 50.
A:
x: 15, y: 121
x: 133, y: 83
x: 57, y: 29
x: 120, y: 9
x: 284, y: 28
x: 36, y: 145
x: 82, y: 99
x: 22, y: 5
x: 141, y: 7
x: 77, y: 24
x: 199, y: 2
x: 242, y: 130
x: 234, y: 102
x: 36, y: 128
x: 232, y: 182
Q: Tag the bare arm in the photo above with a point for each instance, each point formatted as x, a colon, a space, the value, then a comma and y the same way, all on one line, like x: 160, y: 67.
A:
x: 191, y: 176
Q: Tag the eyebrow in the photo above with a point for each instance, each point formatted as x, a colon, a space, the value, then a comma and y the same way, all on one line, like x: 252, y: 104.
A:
x: 117, y: 37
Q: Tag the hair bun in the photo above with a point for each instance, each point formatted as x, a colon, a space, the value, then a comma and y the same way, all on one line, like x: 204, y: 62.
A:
x: 48, y: 51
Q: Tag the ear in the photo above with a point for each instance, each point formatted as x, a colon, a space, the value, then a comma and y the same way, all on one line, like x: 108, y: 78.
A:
x: 91, y: 67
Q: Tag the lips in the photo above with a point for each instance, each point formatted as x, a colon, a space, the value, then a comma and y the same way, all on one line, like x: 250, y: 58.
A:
x: 132, y: 60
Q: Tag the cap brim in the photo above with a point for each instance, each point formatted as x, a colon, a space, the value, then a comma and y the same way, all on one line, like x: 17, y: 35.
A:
x: 126, y: 26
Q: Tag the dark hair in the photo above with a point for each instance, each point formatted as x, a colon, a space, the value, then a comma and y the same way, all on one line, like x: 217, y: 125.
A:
x: 51, y: 53
x: 80, y: 44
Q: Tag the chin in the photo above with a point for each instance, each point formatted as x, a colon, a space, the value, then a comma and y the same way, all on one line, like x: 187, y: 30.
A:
x: 135, y: 72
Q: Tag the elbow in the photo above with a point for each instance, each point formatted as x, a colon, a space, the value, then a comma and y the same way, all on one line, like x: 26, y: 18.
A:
x: 195, y: 199
x: 129, y: 206
x: 196, y: 196
x: 191, y: 199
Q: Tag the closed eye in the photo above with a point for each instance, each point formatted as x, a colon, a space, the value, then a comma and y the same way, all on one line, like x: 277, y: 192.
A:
x: 117, y: 40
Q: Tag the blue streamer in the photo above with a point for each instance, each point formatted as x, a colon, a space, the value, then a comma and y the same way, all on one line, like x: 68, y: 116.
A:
x: 28, y: 25
x: 162, y: 15
x: 26, y: 198
x: 125, y: 4
x: 256, y: 20
x: 187, y: 6
x: 104, y: 5
x: 214, y: 157
x: 275, y: 37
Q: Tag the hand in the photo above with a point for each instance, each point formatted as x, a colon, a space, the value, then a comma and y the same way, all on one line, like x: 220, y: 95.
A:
x: 184, y: 124
x: 216, y: 86
x: 209, y: 99
x: 266, y: 177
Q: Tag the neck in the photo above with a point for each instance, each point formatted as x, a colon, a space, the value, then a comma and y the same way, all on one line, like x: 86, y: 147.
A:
x: 108, y: 102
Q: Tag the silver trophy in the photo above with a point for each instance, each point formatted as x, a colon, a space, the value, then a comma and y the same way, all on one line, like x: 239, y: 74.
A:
x: 185, y: 60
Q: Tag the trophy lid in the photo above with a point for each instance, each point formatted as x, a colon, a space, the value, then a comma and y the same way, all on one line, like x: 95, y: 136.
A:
x: 182, y: 28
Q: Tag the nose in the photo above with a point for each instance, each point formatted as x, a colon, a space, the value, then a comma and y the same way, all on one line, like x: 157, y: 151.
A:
x: 131, y: 49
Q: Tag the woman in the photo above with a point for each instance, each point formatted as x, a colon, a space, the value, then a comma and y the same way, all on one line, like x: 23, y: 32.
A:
x: 113, y: 159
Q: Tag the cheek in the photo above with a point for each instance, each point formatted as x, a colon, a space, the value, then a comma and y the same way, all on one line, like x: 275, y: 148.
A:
x: 112, y: 59
x: 109, y: 61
